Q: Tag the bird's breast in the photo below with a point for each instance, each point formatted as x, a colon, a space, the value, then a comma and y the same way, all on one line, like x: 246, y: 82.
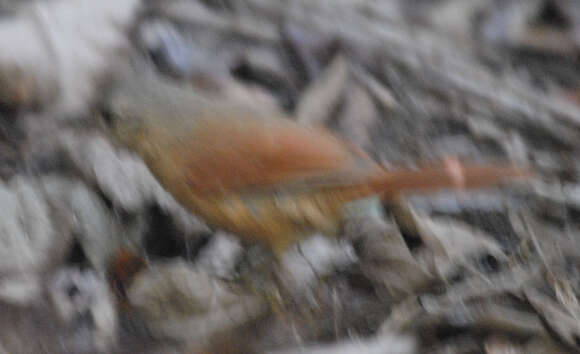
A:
x: 278, y: 220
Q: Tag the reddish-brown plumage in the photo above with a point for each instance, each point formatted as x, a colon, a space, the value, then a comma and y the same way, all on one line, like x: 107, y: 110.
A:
x: 260, y: 176
x: 241, y: 156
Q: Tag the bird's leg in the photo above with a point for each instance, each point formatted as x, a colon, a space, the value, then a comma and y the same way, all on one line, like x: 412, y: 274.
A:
x: 259, y: 273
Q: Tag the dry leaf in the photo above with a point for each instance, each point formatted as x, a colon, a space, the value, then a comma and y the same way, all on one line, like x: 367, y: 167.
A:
x: 195, y: 13
x: 402, y: 315
x: 524, y: 24
x: 543, y: 346
x: 484, y: 315
x: 565, y: 295
x: 308, y: 49
x: 122, y: 270
x: 500, y: 345
x: 249, y: 95
x: 380, y: 92
x: 386, y: 260
x: 564, y: 325
x: 510, y: 280
x: 463, y: 245
x: 358, y: 116
x: 391, y: 343
x: 448, y: 244
x: 322, y: 96
x: 56, y: 50
x: 180, y: 302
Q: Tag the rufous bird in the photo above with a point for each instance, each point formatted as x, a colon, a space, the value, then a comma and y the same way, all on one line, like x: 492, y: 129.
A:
x: 257, y: 174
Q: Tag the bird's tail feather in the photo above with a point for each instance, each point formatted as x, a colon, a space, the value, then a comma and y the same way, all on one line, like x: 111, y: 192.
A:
x: 451, y: 174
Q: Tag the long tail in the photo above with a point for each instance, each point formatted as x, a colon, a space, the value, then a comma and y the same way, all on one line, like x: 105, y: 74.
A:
x: 451, y: 174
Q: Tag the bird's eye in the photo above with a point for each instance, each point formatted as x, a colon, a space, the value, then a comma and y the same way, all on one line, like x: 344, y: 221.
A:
x: 107, y: 115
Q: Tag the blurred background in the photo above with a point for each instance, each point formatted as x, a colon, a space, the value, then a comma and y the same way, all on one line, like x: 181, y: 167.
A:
x: 96, y: 257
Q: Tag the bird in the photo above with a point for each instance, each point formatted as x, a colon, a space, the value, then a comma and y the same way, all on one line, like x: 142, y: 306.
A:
x: 258, y: 173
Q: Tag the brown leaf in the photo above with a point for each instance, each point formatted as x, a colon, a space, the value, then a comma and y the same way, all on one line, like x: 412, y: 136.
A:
x: 121, y: 272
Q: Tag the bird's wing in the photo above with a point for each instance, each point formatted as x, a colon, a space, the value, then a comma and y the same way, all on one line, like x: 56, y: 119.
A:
x: 247, y: 155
